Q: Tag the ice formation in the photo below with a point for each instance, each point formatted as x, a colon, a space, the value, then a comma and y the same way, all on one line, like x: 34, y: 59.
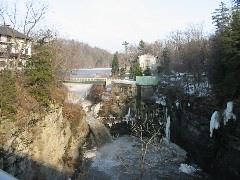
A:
x: 128, y: 115
x: 177, y: 104
x: 167, y: 129
x: 215, y: 122
x: 228, y: 113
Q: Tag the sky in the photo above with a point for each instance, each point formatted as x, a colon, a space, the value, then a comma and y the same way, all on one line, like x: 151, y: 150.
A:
x: 107, y: 23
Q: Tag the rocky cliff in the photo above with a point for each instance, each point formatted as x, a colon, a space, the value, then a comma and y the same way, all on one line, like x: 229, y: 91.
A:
x: 190, y: 124
x: 46, y: 147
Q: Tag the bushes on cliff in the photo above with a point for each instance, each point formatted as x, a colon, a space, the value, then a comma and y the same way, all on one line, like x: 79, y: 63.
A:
x: 39, y: 74
x: 95, y: 94
x: 8, y: 95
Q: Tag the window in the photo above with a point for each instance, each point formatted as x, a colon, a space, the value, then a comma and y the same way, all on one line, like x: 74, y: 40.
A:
x: 26, y: 51
x: 2, y: 64
x: 8, y: 38
x: 20, y: 64
x: 0, y: 37
x: 11, y: 63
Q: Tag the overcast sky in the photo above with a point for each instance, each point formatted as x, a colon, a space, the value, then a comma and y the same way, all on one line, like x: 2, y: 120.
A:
x: 107, y: 23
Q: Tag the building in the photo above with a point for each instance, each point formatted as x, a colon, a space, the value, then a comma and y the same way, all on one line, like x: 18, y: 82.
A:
x: 147, y: 60
x: 146, y: 86
x: 127, y: 87
x: 12, y: 45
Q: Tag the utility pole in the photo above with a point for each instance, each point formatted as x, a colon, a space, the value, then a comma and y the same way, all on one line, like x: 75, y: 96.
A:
x: 125, y: 44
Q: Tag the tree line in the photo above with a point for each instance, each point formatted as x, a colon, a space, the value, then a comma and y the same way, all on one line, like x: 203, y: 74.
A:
x: 75, y: 54
x: 195, y: 52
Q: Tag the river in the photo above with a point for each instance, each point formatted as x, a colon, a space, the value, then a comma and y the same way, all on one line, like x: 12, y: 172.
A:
x: 122, y: 158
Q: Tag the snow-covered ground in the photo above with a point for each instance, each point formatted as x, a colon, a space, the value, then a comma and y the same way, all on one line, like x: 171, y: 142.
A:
x: 186, y: 82
x: 125, y: 81
x: 121, y: 160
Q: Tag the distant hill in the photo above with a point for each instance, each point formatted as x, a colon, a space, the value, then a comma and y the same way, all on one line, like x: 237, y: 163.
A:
x: 76, y: 54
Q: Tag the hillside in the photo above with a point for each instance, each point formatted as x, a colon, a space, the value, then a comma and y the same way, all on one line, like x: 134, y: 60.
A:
x: 80, y: 55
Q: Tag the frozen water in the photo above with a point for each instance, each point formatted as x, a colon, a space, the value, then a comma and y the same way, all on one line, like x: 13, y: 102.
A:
x: 215, y: 122
x: 167, y: 129
x: 121, y: 160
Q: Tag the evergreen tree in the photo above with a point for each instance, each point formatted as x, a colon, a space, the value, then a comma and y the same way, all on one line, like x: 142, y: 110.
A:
x: 141, y: 47
x: 166, y: 59
x: 39, y: 76
x: 135, y: 70
x: 122, y: 72
x: 138, y: 70
x: 115, y: 65
x: 221, y: 18
x: 226, y: 54
x: 147, y: 71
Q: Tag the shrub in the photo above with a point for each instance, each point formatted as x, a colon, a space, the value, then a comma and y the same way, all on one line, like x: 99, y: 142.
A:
x: 8, y: 95
x: 95, y: 94
x: 39, y: 74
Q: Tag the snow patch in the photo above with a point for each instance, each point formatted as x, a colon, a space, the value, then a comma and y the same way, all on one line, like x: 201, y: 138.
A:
x: 96, y: 108
x: 185, y: 168
x: 90, y: 154
x: 123, y: 81
x: 215, y: 122
x: 161, y: 100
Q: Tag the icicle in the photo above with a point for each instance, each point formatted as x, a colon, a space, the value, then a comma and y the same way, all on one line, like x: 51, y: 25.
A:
x: 215, y: 122
x: 127, y: 117
x: 177, y: 104
x: 167, y: 129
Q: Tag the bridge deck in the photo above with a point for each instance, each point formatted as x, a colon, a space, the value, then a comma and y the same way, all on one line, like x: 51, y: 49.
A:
x: 96, y: 80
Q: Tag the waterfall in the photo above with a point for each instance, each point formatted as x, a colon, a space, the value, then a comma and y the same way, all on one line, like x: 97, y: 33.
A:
x: 77, y: 94
x: 100, y: 132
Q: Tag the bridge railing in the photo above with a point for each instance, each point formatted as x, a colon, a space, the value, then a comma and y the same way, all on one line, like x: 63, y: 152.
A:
x: 88, y: 79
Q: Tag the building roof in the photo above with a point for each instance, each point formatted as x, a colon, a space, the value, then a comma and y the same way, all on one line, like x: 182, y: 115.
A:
x: 146, y: 56
x: 124, y: 81
x: 7, y: 31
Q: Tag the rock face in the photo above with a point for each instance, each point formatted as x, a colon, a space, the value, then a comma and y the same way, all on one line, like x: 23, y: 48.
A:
x: 219, y: 155
x: 46, y: 148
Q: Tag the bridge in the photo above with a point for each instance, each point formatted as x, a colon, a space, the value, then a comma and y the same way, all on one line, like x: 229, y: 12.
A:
x: 87, y: 80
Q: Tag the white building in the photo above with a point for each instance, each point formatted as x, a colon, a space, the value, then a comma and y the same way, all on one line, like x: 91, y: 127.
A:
x: 13, y: 43
x: 147, y: 60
